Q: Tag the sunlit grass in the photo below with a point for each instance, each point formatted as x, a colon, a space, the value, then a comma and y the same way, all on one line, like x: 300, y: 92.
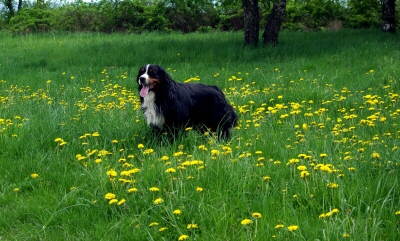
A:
x: 315, y: 154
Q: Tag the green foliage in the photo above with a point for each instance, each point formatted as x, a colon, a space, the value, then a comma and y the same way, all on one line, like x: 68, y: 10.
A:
x: 312, y: 14
x: 33, y: 20
x: 188, y: 15
x: 363, y: 13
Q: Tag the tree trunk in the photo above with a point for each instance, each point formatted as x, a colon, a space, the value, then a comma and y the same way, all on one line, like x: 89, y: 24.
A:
x: 251, y: 22
x: 9, y: 5
x: 388, y: 16
x: 274, y: 22
x: 19, y: 5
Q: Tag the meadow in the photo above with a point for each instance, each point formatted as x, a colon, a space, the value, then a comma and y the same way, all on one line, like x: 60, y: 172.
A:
x: 315, y: 155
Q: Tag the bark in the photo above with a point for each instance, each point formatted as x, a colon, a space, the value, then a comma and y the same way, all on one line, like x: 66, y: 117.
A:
x: 274, y: 22
x: 9, y: 5
x: 388, y: 16
x: 251, y: 22
x: 19, y: 5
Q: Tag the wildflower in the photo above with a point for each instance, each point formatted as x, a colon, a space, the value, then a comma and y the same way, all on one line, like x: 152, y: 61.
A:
x: 17, y: 189
x: 162, y: 229
x: 109, y: 196
x: 34, y: 175
x: 346, y: 235
x: 158, y: 201
x: 164, y: 158
x: 170, y: 170
x: 112, y: 201
x: 302, y: 168
x: 132, y: 189
x: 177, y: 212
x: 183, y: 237
x: 98, y: 160
x: 199, y: 189
x: 179, y: 153
x: 323, y: 155
x: 256, y: 215
x: 278, y: 226
x: 188, y: 128
x: 192, y: 226
x: 153, y: 224
x: 214, y: 152
x: 112, y: 173
x: 154, y: 189
x: 95, y: 134
x: 397, y: 212
x: 148, y: 151
x: 79, y: 157
x: 375, y: 155
x: 304, y: 174
x: 292, y: 228
x: 122, y: 201
x: 266, y: 178
x: 140, y: 146
x: 202, y: 147
x: 332, y: 185
x: 246, y: 221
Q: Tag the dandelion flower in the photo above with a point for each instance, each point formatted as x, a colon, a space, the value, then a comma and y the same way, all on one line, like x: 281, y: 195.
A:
x: 162, y: 229
x: 154, y: 189
x: 112, y: 201
x: 109, y: 196
x: 158, y: 201
x: 292, y: 228
x: 192, y: 226
x: 177, y: 212
x: 183, y: 237
x: 256, y: 215
x: 140, y: 146
x: 122, y: 201
x: 132, y: 189
x: 246, y: 221
x: 153, y: 224
x: 278, y: 226
x: 170, y: 170
x: 34, y: 175
x: 199, y: 189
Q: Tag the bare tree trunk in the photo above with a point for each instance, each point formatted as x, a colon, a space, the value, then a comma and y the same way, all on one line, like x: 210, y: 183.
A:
x: 274, y: 22
x: 9, y: 5
x: 19, y: 5
x: 388, y: 16
x: 251, y: 22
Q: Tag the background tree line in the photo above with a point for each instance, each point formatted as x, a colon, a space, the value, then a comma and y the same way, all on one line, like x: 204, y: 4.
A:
x: 23, y: 16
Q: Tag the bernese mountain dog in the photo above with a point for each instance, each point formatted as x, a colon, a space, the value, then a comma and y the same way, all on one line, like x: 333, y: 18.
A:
x: 169, y: 105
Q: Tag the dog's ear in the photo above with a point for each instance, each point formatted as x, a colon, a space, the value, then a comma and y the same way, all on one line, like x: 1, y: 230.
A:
x: 140, y: 72
x: 164, y: 76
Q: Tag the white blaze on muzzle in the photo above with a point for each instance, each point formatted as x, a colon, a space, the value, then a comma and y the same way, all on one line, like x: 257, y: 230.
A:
x: 145, y: 87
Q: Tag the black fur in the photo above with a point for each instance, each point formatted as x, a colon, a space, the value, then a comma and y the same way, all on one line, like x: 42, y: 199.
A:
x: 183, y: 105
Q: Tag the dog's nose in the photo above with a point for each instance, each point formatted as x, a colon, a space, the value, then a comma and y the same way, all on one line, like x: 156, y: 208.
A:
x: 142, y: 80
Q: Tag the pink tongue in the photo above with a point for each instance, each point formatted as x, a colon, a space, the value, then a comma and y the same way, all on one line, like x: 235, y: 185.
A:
x: 144, y: 91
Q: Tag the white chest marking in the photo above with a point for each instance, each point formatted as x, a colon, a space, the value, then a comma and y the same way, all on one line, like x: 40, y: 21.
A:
x: 152, y: 115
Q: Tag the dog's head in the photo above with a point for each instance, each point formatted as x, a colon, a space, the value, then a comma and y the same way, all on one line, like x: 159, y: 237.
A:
x: 150, y: 78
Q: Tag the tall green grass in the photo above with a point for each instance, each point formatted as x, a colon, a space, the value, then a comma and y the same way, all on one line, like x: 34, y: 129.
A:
x: 66, y: 85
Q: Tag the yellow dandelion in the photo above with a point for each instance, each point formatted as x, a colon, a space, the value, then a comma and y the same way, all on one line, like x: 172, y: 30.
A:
x: 34, y: 175
x: 199, y: 189
x: 153, y: 224
x: 162, y: 229
x: 170, y: 170
x: 122, y: 201
x: 177, y: 212
x: 278, y: 226
x: 375, y: 155
x: 140, y: 146
x: 256, y: 215
x: 112, y: 201
x: 332, y: 185
x: 183, y: 237
x: 192, y: 226
x: 246, y: 221
x: 132, y: 189
x: 164, y: 158
x: 109, y: 196
x: 158, y: 201
x: 292, y: 228
x: 154, y: 189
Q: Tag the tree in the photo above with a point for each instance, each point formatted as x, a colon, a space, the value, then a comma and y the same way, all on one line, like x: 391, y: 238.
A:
x: 274, y: 22
x: 10, y: 7
x: 388, y: 16
x: 251, y: 20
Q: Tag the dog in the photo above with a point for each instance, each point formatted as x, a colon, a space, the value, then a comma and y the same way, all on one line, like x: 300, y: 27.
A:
x: 169, y: 105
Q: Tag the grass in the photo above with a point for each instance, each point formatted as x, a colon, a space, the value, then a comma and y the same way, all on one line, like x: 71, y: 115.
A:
x: 319, y: 131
